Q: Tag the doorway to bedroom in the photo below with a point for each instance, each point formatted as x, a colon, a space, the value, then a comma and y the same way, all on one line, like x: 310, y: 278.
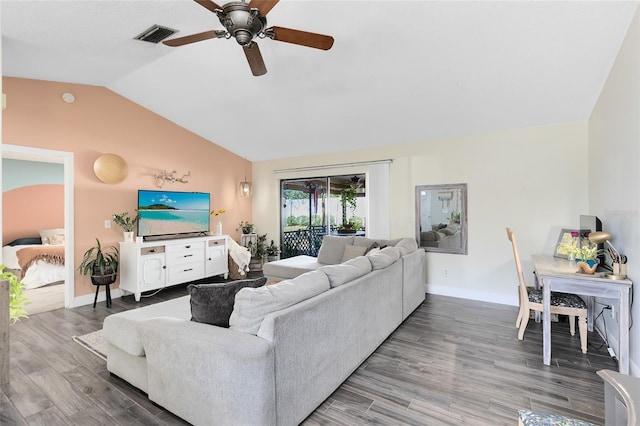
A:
x: 37, y: 213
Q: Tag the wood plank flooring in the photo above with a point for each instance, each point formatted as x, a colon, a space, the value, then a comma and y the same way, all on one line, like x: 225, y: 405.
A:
x: 452, y: 362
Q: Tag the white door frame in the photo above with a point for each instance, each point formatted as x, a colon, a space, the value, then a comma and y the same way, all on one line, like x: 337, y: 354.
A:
x: 18, y: 152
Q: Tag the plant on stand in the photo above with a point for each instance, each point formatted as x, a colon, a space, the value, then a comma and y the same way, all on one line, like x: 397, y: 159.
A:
x: 127, y: 224
x: 100, y: 263
x: 218, y: 215
x: 245, y: 227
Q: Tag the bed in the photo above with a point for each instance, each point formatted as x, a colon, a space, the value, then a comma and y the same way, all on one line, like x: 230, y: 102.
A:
x: 36, y: 264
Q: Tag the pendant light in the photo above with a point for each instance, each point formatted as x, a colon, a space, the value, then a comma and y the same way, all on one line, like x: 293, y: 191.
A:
x: 245, y: 186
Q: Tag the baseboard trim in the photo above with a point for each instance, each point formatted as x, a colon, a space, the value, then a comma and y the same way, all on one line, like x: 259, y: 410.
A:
x: 482, y: 296
x: 87, y: 299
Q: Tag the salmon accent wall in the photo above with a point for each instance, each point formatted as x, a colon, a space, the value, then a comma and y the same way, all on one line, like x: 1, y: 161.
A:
x: 101, y: 121
x: 28, y: 209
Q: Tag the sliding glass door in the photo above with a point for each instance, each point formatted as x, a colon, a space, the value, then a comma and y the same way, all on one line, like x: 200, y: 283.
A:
x: 315, y: 207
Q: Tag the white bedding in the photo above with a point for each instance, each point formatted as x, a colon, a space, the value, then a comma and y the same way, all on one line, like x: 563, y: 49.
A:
x: 39, y: 274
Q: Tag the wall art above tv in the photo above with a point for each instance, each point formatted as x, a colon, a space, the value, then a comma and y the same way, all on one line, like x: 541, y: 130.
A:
x: 172, y: 213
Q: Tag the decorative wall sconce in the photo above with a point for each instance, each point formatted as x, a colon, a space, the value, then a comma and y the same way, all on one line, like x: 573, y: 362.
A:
x: 164, y: 177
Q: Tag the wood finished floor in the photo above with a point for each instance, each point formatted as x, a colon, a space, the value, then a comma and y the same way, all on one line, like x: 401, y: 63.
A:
x: 452, y: 362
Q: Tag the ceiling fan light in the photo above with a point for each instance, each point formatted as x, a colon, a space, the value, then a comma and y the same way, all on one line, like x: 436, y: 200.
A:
x: 243, y: 37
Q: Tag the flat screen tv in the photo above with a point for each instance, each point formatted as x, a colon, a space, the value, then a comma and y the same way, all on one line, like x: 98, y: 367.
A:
x: 168, y: 213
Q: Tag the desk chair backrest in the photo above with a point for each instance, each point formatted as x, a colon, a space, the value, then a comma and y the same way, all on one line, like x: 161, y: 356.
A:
x: 521, y: 282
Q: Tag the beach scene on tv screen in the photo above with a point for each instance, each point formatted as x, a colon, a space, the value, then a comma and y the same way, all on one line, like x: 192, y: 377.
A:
x: 165, y: 213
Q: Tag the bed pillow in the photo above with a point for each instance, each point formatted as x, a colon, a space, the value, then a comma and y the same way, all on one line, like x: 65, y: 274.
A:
x: 46, y: 234
x: 213, y: 303
x: 26, y: 241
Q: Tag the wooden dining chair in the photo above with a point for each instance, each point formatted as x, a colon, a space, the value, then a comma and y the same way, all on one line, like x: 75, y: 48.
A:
x: 561, y: 303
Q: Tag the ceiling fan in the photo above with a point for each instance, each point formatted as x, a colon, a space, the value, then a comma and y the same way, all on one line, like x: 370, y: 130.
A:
x: 246, y: 22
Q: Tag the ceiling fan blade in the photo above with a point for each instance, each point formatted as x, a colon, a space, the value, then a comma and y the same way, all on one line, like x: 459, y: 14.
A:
x: 254, y: 57
x: 209, y: 5
x: 303, y: 38
x: 264, y: 6
x: 181, y: 41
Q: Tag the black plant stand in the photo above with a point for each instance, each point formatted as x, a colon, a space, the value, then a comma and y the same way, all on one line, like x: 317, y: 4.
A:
x: 106, y: 281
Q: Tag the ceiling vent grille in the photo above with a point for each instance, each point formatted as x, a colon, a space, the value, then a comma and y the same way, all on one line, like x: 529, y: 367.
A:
x: 155, y: 34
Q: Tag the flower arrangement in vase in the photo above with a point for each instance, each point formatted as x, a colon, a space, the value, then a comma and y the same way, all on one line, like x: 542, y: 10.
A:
x: 586, y: 257
x: 218, y: 215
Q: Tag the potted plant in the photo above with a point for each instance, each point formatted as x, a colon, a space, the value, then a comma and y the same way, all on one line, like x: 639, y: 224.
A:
x: 11, y: 288
x: 272, y: 251
x: 258, y: 252
x: 17, y: 299
x: 101, y: 264
x: 127, y: 224
x: 348, y: 198
x: 246, y: 227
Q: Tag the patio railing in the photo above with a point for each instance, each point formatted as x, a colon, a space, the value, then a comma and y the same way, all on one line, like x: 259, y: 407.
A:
x: 302, y: 241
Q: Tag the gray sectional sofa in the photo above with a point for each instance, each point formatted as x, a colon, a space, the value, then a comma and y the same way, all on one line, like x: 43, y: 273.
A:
x: 288, y: 347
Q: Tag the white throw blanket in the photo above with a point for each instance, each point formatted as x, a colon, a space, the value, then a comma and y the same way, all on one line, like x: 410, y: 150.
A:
x: 241, y: 255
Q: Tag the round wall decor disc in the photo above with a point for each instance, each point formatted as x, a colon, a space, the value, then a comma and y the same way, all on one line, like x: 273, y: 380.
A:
x: 110, y: 168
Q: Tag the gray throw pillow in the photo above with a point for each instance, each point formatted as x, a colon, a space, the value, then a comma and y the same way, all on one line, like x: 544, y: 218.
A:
x: 213, y: 303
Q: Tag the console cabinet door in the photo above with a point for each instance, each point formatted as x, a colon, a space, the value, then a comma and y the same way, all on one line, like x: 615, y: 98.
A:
x: 216, y: 258
x: 153, y: 270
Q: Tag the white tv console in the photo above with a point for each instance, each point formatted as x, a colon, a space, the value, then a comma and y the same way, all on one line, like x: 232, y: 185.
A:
x: 152, y: 265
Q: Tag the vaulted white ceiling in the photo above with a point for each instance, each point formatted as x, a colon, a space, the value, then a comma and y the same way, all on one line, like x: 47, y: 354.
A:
x: 399, y: 71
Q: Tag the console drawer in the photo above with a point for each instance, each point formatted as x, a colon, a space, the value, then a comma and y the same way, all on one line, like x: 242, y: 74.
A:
x: 151, y: 250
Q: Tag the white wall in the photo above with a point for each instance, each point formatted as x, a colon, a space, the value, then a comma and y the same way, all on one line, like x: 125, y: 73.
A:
x: 533, y: 180
x: 614, y: 175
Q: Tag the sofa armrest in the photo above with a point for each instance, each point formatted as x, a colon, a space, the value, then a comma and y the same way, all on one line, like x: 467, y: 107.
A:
x: 414, y: 279
x: 205, y: 373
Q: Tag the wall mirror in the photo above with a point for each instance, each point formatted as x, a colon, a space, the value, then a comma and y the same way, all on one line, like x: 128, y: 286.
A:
x: 441, y: 218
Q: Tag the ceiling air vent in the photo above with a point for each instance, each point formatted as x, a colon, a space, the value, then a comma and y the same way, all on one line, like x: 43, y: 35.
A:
x: 155, y: 34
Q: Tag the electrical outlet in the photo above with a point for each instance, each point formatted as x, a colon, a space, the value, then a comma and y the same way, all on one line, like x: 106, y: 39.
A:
x: 446, y: 272
x: 613, y: 312
x: 107, y: 224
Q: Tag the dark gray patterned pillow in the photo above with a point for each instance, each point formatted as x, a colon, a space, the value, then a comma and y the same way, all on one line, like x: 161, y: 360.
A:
x: 213, y: 303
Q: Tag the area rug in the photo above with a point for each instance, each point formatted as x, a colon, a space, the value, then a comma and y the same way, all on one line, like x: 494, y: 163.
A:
x: 93, y: 342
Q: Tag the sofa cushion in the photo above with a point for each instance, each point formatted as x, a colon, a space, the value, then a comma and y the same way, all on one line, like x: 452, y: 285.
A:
x: 406, y: 246
x: 290, y: 267
x: 351, y: 252
x: 332, y: 249
x: 213, y: 303
x: 253, y: 304
x: 120, y: 329
x: 372, y: 251
x: 448, y: 231
x: 384, y: 258
x: 348, y: 271
x: 430, y: 236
